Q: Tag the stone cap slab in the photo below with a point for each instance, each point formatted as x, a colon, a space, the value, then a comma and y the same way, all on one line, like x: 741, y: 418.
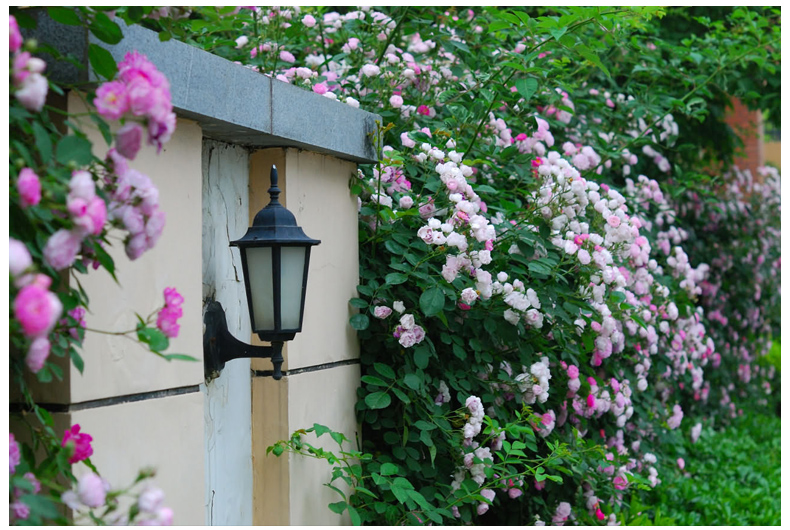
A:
x: 232, y: 103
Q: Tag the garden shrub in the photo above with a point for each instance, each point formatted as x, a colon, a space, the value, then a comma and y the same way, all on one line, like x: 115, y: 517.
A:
x: 535, y: 300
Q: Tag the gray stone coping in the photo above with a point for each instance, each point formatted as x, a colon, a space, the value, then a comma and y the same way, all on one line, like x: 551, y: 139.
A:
x: 232, y: 103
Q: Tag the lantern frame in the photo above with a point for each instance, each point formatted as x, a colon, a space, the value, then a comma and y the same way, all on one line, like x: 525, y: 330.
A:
x: 273, y: 227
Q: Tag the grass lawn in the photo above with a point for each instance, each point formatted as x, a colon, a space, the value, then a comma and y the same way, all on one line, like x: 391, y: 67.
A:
x: 732, y: 477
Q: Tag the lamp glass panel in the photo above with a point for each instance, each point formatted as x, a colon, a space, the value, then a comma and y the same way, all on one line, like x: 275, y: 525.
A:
x: 259, y: 268
x: 292, y: 274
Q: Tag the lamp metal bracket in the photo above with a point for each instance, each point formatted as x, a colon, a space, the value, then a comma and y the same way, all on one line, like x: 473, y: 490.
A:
x: 219, y: 346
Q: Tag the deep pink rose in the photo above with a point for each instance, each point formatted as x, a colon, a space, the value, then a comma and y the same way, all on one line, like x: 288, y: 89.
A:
x: 167, y: 321
x: 620, y: 482
x: 29, y: 187
x: 36, y: 309
x: 173, y: 297
x: 128, y: 140
x: 14, y: 455
x: 37, y: 354
x: 14, y: 37
x: 82, y: 444
x: 112, y: 100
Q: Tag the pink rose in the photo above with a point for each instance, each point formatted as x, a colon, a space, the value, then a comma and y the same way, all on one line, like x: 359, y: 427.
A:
x: 37, y: 310
x: 20, y: 510
x: 151, y: 499
x: 573, y: 371
x: 370, y: 70
x: 308, y: 21
x: 154, y: 228
x: 381, y: 311
x: 320, y: 88
x: 135, y: 246
x: 37, y: 354
x: 613, y: 221
x: 29, y: 187
x: 62, y: 248
x: 287, y: 56
x: 18, y: 257
x: 406, y: 141
x: 14, y: 455
x: 81, y: 442
x: 33, y: 92
x: 128, y: 140
x: 97, y: 213
x: 91, y: 490
x: 14, y: 37
x: 81, y: 185
x: 112, y: 100
x: 620, y: 482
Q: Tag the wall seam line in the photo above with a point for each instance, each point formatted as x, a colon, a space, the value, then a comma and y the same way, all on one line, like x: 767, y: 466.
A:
x: 307, y: 369
x: 110, y: 401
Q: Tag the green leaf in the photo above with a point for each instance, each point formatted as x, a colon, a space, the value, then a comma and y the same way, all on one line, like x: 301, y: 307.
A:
x: 73, y: 148
x: 400, y: 395
x: 105, y: 29
x: 76, y: 359
x: 41, y: 506
x: 179, y: 357
x: 432, y: 301
x: 373, y: 380
x: 64, y: 15
x: 527, y: 87
x: 413, y: 381
x: 421, y: 357
x: 539, y: 268
x: 358, y: 302
x: 155, y: 339
x: 102, y: 61
x: 378, y: 400
x: 384, y: 370
x: 356, y: 520
x: 388, y: 469
x: 43, y: 142
x: 359, y: 321
x: 395, y: 278
x: 338, y: 507
x: 105, y: 260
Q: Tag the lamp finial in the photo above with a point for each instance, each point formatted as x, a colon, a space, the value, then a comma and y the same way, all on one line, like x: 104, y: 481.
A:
x: 274, y: 191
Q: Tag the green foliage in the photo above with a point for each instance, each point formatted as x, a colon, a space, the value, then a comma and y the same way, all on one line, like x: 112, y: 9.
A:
x: 732, y: 476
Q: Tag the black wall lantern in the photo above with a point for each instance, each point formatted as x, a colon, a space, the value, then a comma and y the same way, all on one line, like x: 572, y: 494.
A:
x: 275, y: 255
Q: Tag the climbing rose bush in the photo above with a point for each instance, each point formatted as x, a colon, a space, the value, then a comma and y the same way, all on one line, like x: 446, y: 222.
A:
x: 541, y: 309
x: 65, y: 208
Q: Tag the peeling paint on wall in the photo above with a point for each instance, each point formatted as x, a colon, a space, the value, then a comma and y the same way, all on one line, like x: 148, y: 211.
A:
x: 228, y: 458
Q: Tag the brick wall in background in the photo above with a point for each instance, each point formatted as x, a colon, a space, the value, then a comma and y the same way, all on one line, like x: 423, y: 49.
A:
x: 748, y: 124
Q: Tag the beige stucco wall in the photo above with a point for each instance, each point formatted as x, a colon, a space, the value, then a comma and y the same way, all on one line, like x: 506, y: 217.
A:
x: 165, y: 434
x: 160, y: 430
x: 289, y: 490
